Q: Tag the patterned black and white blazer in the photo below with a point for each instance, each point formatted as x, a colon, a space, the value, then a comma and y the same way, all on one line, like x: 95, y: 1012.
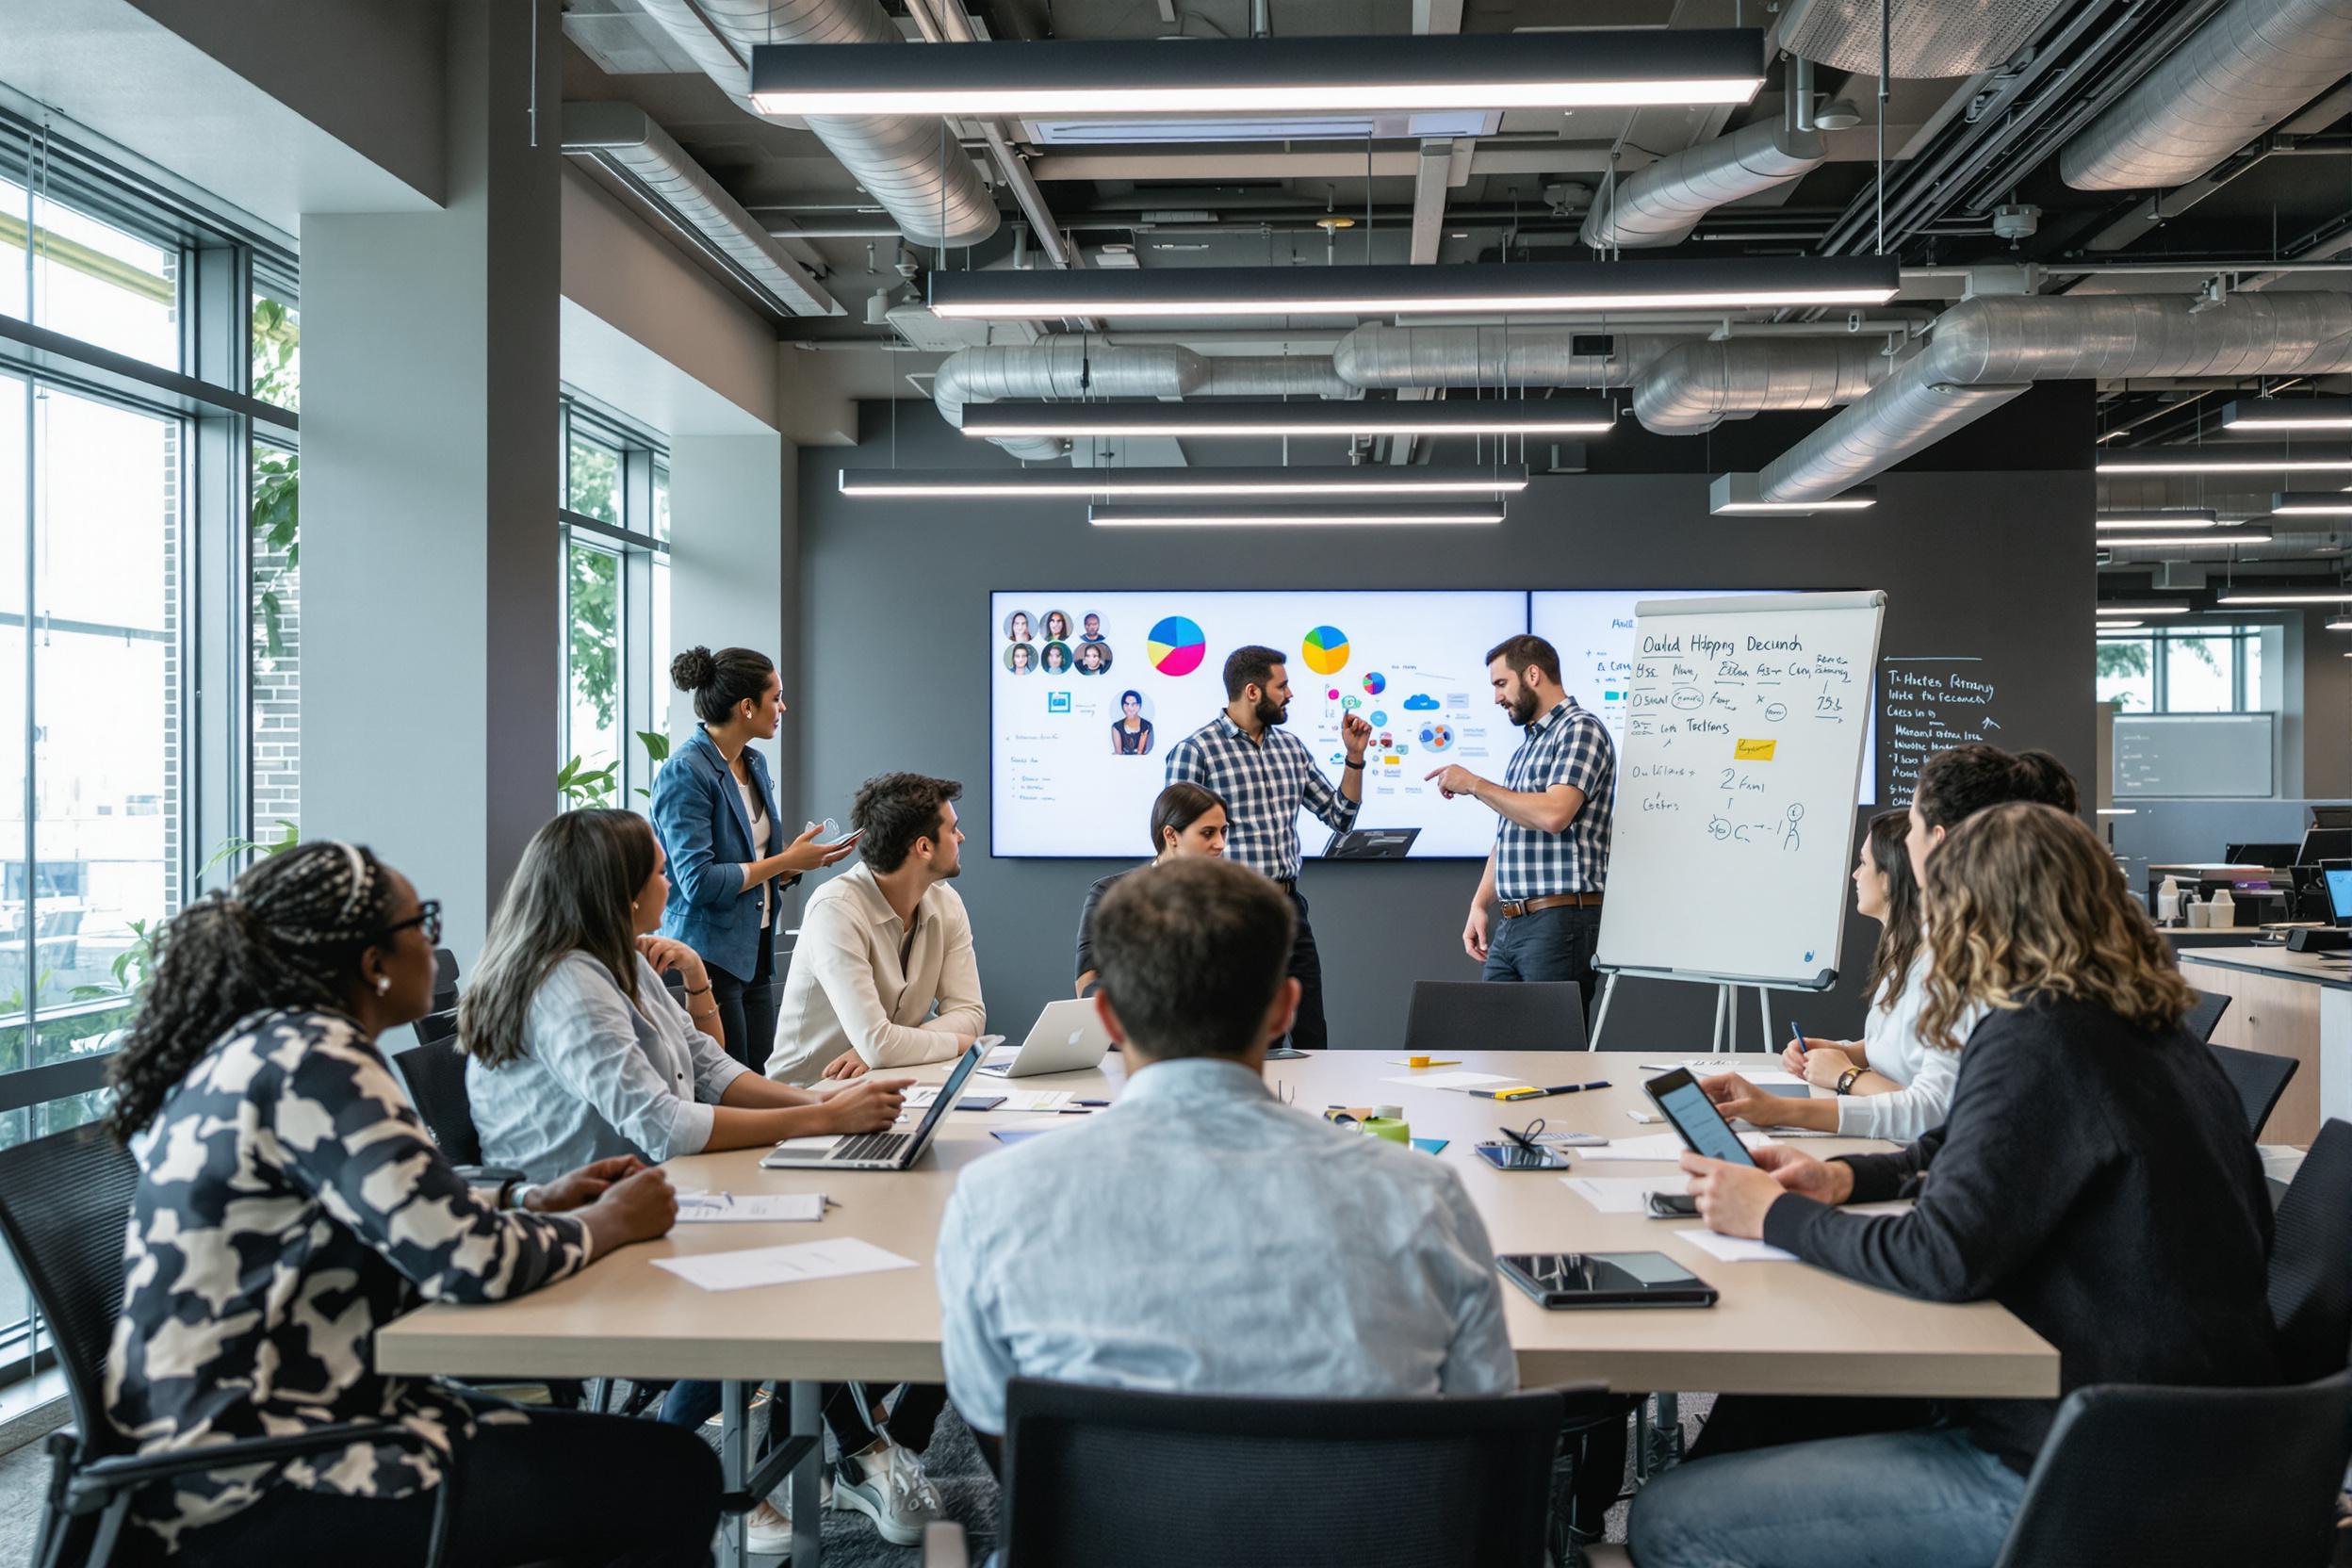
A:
x: 289, y: 1204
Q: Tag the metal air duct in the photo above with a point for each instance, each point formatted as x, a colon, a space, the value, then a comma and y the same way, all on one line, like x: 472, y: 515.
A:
x: 1661, y: 204
x: 1694, y: 386
x: 1494, y: 357
x: 2253, y: 64
x: 621, y: 137
x: 1074, y: 367
x: 1924, y: 37
x: 914, y: 167
x: 1986, y: 351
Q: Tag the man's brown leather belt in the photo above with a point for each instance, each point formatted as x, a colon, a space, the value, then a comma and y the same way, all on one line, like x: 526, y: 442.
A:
x: 1513, y: 908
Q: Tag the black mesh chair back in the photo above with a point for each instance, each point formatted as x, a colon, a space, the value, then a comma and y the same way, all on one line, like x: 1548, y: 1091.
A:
x: 2259, y: 1080
x: 1096, y: 1476
x: 444, y: 980
x: 2187, y: 1478
x: 64, y: 1202
x: 2206, y: 1014
x: 1458, y: 1015
x: 436, y: 1072
x: 2310, y: 1260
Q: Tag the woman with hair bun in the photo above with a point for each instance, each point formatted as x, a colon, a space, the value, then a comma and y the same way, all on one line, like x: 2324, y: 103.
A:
x: 291, y: 1203
x: 715, y: 811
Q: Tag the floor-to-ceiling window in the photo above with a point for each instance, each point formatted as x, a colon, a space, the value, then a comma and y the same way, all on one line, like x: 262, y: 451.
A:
x: 148, y: 464
x: 616, y: 606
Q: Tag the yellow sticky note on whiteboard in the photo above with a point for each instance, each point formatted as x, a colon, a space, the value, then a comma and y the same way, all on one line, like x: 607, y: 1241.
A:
x: 1753, y: 751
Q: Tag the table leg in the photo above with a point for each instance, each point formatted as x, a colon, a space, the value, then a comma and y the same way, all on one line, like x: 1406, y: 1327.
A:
x: 734, y: 1464
x: 1668, y: 1435
x: 807, y: 1517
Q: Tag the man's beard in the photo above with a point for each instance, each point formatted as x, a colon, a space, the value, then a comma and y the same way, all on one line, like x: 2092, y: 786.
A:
x: 1522, y: 710
x: 1268, y: 712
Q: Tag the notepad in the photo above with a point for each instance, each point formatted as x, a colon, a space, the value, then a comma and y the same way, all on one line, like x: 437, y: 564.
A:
x: 722, y: 1208
x: 777, y: 1265
x: 1040, y: 1100
x: 1735, y: 1248
x: 1618, y: 1194
x: 1445, y: 1080
x: 1659, y: 1146
x: 922, y: 1095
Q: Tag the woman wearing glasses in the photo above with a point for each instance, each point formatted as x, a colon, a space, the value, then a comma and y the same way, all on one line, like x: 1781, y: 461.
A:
x: 715, y: 810
x: 578, y: 1048
x: 289, y: 1201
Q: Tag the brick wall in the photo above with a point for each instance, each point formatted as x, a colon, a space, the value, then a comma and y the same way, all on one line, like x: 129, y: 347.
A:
x: 277, y: 714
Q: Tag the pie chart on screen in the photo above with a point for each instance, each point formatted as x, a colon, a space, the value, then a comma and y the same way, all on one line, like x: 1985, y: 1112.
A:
x: 1175, y: 646
x: 1325, y: 650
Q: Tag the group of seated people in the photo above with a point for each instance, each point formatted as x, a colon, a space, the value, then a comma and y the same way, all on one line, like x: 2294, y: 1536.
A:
x: 2075, y: 1154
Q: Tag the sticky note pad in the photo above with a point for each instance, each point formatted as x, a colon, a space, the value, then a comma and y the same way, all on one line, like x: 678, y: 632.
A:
x: 1753, y: 751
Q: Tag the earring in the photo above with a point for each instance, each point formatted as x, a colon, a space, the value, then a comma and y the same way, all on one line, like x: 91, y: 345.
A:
x: 383, y: 984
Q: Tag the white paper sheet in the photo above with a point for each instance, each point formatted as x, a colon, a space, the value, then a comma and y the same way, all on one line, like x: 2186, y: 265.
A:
x: 1733, y: 1249
x: 723, y: 1208
x: 1659, y: 1146
x: 920, y: 1097
x: 1446, y: 1080
x: 819, y: 1142
x: 776, y: 1266
x: 1038, y: 1100
x: 1618, y: 1194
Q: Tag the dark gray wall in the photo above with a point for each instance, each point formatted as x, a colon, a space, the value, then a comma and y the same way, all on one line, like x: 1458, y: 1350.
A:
x: 894, y: 601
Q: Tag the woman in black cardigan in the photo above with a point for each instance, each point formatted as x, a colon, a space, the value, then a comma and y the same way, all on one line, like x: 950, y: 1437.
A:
x: 2094, y: 1176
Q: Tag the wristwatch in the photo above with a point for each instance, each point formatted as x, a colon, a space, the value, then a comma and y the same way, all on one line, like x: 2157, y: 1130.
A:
x: 1845, y: 1079
x: 1355, y: 762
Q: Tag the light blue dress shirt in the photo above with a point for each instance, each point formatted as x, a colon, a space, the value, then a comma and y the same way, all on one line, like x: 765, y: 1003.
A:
x: 1201, y: 1236
x: 598, y: 1077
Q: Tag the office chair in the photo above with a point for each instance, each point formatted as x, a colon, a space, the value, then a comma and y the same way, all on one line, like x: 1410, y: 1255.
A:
x: 1455, y: 1015
x: 444, y: 980
x: 1096, y: 1476
x: 2206, y: 1016
x: 63, y: 1203
x: 435, y: 1072
x: 2310, y: 1260
x: 2259, y: 1080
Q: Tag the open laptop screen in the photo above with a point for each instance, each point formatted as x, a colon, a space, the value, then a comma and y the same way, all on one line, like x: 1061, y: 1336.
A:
x: 2338, y: 877
x: 948, y: 1093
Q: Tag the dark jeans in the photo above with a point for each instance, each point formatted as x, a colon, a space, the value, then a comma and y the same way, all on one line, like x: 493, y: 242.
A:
x: 1549, y: 944
x: 1306, y: 967
x: 567, y: 1488
x: 846, y: 1408
x: 747, y: 1007
x: 1742, y: 1421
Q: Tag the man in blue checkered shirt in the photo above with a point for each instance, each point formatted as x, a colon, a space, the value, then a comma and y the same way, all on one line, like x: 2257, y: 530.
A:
x: 1266, y: 776
x: 1550, y: 860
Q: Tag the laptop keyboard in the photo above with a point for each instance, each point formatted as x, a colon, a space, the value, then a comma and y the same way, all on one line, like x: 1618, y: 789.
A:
x: 871, y: 1146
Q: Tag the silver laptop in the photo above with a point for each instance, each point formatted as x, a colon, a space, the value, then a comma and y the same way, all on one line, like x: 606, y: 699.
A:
x: 1067, y: 1036
x: 880, y: 1151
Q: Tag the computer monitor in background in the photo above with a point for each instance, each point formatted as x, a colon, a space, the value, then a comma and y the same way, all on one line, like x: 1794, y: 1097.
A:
x: 2260, y: 855
x: 2322, y: 845
x: 2337, y: 878
x: 2332, y: 816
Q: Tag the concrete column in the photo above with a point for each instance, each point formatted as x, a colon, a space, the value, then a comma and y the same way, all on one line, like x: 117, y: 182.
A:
x: 430, y: 592
x: 734, y: 565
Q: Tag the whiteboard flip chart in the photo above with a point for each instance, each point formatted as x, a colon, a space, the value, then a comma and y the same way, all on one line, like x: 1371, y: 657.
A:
x: 1736, y: 786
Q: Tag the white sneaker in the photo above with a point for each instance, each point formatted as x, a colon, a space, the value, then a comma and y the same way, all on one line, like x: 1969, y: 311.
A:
x: 767, y: 1531
x: 891, y: 1489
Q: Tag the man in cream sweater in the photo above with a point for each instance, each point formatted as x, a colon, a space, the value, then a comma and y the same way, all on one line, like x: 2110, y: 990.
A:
x: 884, y: 974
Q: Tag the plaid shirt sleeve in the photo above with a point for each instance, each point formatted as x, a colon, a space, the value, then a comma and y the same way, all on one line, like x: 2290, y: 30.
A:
x: 1187, y: 762
x: 1582, y: 762
x: 1315, y: 792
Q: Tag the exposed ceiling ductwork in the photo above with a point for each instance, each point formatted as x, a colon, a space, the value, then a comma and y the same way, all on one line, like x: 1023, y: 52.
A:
x: 2253, y: 64
x: 1694, y: 386
x: 914, y: 167
x: 1499, y: 358
x: 1924, y: 37
x: 1661, y: 204
x: 1986, y: 351
x: 1078, y: 367
x: 622, y: 138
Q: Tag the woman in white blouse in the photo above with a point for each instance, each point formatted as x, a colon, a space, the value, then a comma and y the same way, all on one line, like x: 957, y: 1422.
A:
x: 1888, y: 1083
x: 576, y: 1043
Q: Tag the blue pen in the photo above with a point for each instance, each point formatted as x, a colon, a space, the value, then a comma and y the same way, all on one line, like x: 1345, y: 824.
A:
x: 1796, y: 1035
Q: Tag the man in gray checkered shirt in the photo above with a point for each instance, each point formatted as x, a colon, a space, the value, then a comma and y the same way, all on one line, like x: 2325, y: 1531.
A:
x: 1550, y: 860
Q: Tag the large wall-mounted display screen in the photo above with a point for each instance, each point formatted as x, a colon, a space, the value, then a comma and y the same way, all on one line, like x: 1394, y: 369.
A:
x: 1089, y: 690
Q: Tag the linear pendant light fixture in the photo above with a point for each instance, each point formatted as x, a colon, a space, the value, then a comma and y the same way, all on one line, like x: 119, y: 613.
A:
x: 2216, y: 539
x: 1242, y: 515
x: 1370, y: 480
x: 2256, y: 417
x: 1264, y: 75
x: 2124, y: 608
x: 2310, y: 503
x: 1404, y: 416
x: 2136, y: 522
x: 2217, y: 459
x: 2238, y: 597
x: 1525, y: 287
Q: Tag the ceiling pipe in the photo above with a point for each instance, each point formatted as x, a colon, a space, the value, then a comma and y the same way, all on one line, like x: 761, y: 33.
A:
x: 2250, y: 66
x: 1663, y: 203
x: 1075, y: 368
x: 1497, y: 357
x: 941, y: 21
x: 1693, y: 387
x: 917, y: 172
x: 1987, y: 350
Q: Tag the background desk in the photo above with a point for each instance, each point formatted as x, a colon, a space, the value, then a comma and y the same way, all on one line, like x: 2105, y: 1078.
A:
x: 2296, y: 1004
x: 1781, y: 1327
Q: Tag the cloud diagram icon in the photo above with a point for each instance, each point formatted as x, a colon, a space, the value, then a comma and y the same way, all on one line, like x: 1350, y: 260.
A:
x: 1421, y: 702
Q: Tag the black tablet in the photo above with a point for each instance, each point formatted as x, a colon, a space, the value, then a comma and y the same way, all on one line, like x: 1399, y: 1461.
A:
x: 1565, y: 1281
x: 1693, y: 1114
x: 1518, y: 1156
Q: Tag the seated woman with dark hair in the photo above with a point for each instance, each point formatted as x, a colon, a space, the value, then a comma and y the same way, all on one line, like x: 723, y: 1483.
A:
x: 2094, y: 1176
x: 291, y: 1203
x: 1187, y: 819
x: 578, y: 1051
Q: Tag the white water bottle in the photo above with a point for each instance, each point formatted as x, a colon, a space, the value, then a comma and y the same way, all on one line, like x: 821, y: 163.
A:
x: 2223, y: 910
x: 2168, y: 902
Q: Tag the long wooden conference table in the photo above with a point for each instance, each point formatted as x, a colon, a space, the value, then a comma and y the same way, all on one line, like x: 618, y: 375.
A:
x: 1780, y: 1328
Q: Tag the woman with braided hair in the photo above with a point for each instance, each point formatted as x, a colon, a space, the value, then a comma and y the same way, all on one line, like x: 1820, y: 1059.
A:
x: 291, y: 1203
